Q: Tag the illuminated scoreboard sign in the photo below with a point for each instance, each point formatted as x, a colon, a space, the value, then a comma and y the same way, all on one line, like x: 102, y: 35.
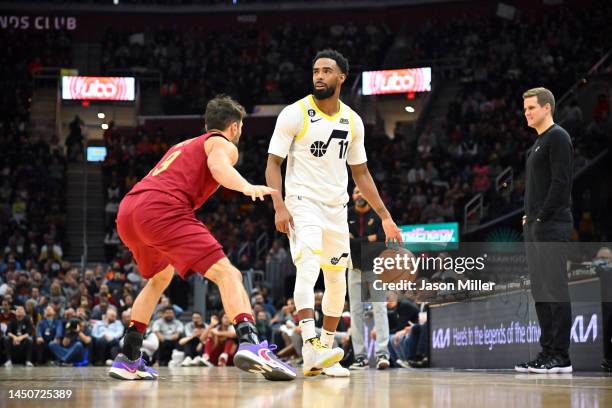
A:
x: 96, y: 154
x: 424, y: 237
x: 396, y: 81
x: 98, y: 88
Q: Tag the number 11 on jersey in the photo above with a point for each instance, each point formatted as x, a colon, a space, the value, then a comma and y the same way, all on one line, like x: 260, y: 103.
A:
x: 343, y: 148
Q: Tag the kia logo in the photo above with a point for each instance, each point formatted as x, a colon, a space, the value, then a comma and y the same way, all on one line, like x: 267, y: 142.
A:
x: 581, y: 335
x: 441, y: 338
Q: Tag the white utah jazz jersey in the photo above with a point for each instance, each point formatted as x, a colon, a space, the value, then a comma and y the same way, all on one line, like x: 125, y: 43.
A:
x: 319, y: 146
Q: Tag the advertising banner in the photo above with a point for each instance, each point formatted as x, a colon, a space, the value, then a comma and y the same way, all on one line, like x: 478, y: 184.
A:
x: 98, y: 88
x: 396, y: 81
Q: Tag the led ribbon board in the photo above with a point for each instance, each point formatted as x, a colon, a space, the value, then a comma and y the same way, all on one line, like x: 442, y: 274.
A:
x: 98, y: 88
x: 396, y: 81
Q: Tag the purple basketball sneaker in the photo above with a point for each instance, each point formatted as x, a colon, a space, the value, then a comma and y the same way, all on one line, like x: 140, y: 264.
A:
x: 125, y: 369
x: 260, y: 359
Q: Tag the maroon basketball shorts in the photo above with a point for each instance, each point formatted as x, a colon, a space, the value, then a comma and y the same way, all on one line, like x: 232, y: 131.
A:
x: 161, y: 230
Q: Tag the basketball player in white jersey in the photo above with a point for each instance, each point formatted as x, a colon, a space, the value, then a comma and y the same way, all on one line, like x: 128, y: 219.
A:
x: 320, y: 135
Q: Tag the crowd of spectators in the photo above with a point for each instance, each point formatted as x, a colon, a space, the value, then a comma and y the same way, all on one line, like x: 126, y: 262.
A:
x: 76, y: 318
x: 484, y: 131
x: 79, y: 319
x: 32, y: 177
x: 45, y: 301
x: 257, y: 65
x: 32, y: 197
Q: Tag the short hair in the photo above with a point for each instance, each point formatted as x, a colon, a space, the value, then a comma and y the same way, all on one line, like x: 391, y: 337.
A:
x: 544, y: 96
x: 169, y: 307
x: 222, y: 111
x: 340, y: 59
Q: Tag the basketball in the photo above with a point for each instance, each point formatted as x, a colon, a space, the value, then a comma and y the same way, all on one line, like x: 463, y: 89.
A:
x: 397, y: 265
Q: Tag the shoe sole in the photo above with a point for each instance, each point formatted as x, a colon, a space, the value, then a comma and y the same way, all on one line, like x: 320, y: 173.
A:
x: 121, y: 374
x: 554, y: 370
x: 313, y: 372
x: 521, y: 369
x: 359, y: 368
x: 252, y: 364
x: 336, y: 375
x: 318, y: 367
x: 382, y: 366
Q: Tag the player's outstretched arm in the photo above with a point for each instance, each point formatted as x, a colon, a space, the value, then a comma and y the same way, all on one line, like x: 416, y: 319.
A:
x: 222, y: 156
x: 274, y: 179
x: 365, y: 183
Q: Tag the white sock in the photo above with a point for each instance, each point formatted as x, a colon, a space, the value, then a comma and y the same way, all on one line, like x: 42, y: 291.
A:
x: 327, y: 338
x: 308, y: 329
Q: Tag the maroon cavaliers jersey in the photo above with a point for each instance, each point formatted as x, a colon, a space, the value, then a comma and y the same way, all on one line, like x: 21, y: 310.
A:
x: 183, y: 173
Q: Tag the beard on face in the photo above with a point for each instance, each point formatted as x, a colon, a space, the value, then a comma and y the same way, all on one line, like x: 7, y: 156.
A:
x: 323, y: 93
x: 237, y: 137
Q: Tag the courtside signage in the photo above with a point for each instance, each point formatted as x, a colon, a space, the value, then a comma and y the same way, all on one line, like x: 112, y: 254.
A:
x: 426, y: 237
x: 396, y: 81
x: 98, y: 88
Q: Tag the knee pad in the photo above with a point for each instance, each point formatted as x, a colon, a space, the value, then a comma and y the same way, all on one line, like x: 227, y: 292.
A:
x: 307, y: 273
x: 335, y: 293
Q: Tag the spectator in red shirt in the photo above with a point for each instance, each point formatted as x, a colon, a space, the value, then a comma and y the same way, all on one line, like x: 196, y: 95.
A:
x: 6, y: 314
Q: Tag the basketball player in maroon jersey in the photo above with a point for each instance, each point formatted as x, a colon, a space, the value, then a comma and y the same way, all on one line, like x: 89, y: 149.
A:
x: 156, y: 221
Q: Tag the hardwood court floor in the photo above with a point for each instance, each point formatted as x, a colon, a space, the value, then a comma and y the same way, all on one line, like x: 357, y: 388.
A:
x: 229, y: 387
